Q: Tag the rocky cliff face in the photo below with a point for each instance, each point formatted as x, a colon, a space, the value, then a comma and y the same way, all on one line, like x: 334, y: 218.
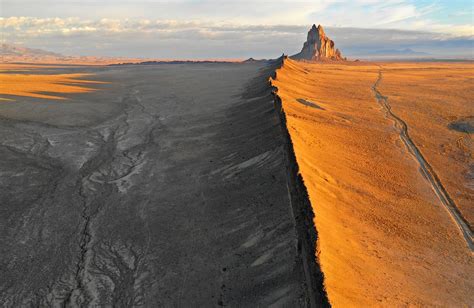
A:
x: 318, y: 47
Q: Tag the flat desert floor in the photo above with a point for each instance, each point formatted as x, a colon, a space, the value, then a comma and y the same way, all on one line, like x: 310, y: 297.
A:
x: 156, y: 186
x: 385, y: 151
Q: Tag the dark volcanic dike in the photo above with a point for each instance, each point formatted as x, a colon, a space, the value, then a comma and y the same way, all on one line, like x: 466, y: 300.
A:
x: 172, y: 185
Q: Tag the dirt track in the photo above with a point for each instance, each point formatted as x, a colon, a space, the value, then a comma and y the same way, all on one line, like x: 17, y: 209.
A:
x: 425, y: 167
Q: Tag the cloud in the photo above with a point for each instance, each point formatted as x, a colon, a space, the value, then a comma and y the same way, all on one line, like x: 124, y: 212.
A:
x: 162, y: 38
x: 400, y: 14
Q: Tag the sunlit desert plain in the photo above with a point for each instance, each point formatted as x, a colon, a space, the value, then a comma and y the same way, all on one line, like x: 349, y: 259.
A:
x: 21, y: 80
x: 385, y: 234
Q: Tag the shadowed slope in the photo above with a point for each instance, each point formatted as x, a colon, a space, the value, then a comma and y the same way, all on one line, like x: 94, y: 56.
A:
x: 169, y: 187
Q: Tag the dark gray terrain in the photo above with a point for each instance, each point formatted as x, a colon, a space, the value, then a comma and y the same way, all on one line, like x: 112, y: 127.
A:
x: 166, y: 187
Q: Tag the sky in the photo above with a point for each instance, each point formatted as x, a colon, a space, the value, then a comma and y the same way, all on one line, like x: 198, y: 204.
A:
x: 193, y: 29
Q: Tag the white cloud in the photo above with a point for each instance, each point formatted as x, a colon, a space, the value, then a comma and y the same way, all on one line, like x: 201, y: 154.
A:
x: 401, y: 14
x: 208, y: 39
x: 33, y: 27
x: 224, y: 28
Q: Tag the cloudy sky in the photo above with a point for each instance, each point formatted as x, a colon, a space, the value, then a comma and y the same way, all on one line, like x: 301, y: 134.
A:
x: 195, y: 29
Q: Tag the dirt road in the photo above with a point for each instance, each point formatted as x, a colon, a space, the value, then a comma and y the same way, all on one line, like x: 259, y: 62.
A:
x: 425, y: 167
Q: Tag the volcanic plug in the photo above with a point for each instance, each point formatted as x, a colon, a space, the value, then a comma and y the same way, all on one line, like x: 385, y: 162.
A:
x: 318, y: 47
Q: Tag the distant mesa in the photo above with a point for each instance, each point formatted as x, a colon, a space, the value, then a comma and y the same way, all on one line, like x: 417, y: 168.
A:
x: 318, y: 47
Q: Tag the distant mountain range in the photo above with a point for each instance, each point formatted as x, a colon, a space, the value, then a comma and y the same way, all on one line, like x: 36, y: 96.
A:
x: 13, y: 53
x: 397, y: 52
x: 18, y: 54
x: 7, y: 50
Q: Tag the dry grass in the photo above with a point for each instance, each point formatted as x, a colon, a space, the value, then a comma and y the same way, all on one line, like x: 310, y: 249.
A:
x: 384, y: 238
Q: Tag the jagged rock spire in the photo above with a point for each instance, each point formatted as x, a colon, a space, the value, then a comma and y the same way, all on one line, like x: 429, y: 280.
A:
x: 318, y: 46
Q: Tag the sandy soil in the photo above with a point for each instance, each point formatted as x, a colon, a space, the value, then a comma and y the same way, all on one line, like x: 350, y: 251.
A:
x: 47, y: 86
x: 385, y: 237
x: 431, y: 100
x: 22, y: 67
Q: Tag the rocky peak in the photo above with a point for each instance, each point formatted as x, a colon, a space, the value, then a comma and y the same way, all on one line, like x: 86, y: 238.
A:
x: 315, y: 33
x: 318, y: 47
